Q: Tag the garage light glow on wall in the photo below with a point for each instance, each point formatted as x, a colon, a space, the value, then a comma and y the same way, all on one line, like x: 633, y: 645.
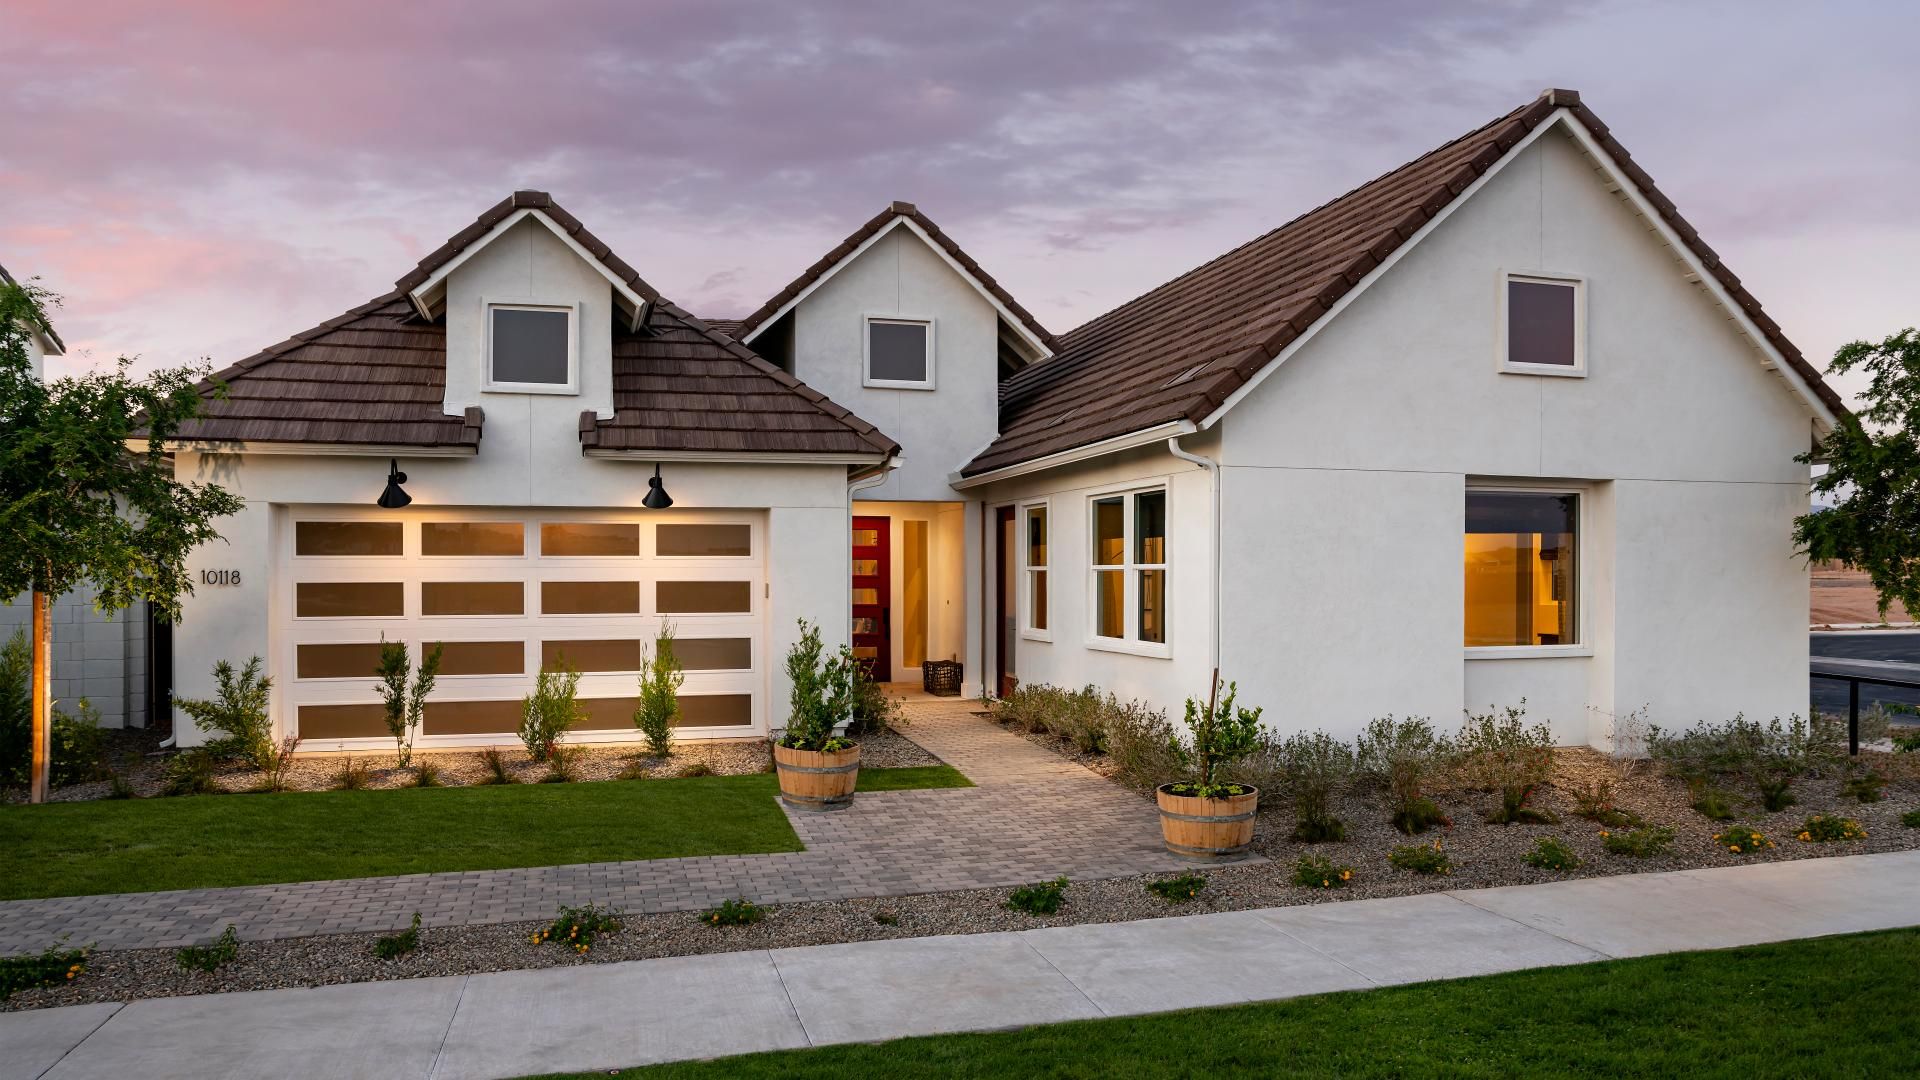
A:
x: 657, y: 497
x: 394, y: 497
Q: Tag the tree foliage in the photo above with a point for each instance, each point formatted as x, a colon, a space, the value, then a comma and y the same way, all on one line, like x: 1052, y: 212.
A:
x: 1873, y: 474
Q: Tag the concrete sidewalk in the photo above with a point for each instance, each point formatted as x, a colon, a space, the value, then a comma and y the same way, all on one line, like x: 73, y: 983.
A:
x: 511, y: 1024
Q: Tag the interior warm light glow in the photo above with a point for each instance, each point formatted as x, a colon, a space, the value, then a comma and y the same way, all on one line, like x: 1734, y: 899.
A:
x: 1520, y: 569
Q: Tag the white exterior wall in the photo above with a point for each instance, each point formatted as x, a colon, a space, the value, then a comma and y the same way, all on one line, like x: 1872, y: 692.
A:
x: 1346, y: 472
x: 941, y: 429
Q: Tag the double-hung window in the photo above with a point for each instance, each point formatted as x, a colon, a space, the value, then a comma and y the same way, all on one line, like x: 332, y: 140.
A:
x: 1522, y: 569
x: 1129, y: 582
x: 1034, y: 554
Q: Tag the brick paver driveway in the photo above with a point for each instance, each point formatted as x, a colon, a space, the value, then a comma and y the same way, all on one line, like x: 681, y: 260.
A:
x: 1032, y: 816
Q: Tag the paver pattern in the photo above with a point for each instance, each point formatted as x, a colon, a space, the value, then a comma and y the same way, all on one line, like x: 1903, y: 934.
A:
x: 1032, y: 815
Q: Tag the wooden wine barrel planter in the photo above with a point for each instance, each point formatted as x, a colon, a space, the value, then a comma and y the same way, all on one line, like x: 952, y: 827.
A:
x: 817, y: 779
x: 1207, y: 830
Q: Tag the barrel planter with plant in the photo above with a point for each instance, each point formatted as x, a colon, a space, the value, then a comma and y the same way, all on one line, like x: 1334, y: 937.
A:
x: 1206, y: 818
x: 817, y: 768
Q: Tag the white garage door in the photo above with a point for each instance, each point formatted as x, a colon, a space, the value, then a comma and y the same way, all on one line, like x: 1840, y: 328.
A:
x: 503, y: 593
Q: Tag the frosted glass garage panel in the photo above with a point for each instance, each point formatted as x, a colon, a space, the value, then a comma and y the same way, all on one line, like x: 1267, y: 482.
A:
x: 473, y: 539
x: 470, y: 718
x: 714, y: 654
x: 591, y: 655
x: 582, y: 539
x: 606, y: 714
x: 337, y: 661
x: 348, y: 599
x: 344, y: 722
x: 347, y: 538
x: 473, y: 598
x: 703, y: 541
x: 703, y: 597
x: 716, y: 710
x: 480, y: 657
x: 589, y: 597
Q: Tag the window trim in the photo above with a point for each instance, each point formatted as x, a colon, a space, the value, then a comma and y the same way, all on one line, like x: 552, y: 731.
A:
x: 1025, y: 598
x: 866, y: 352
x: 1578, y: 283
x: 488, y: 305
x: 1583, y: 572
x: 1130, y: 579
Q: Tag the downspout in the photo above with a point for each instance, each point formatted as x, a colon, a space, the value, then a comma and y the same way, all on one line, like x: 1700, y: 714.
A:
x: 1214, y: 477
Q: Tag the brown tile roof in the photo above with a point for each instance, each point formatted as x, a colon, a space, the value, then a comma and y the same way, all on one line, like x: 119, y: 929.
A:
x: 1180, y: 350
x: 526, y: 200
x: 729, y: 327
x: 678, y: 384
x: 864, y: 233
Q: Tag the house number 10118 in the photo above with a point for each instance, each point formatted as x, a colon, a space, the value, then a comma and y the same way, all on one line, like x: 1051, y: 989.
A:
x: 219, y: 577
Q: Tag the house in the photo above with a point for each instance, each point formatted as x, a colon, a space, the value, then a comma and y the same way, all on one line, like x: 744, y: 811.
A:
x: 1496, y: 425
x: 103, y: 658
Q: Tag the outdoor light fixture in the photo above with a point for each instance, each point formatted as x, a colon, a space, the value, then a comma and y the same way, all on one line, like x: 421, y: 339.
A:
x: 395, y: 497
x: 657, y: 497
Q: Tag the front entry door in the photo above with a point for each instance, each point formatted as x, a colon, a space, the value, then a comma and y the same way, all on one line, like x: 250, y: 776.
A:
x: 872, y: 597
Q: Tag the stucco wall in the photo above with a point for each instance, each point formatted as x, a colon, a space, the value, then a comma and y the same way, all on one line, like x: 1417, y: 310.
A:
x: 1346, y: 472
x: 939, y: 430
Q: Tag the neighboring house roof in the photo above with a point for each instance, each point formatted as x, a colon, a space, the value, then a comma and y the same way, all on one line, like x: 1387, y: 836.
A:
x: 1179, y: 352
x: 53, y: 343
x: 898, y: 211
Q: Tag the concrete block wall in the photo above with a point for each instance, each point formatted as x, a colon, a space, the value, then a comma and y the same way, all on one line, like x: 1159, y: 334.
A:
x: 102, y: 658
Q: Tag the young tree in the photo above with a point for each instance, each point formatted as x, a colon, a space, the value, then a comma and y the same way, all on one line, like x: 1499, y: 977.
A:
x: 659, y: 704
x: 78, y: 504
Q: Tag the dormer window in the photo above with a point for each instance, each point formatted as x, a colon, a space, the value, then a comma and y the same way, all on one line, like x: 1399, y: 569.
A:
x: 899, y: 353
x: 533, y: 348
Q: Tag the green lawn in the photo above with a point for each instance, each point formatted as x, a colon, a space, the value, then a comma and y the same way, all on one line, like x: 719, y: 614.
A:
x: 1831, y: 1007
x: 75, y: 849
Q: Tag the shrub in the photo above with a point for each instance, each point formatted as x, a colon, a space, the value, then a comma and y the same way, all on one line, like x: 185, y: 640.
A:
x: 75, y: 749
x: 1741, y: 840
x: 1422, y: 858
x: 1829, y: 828
x: 1042, y: 899
x: 1320, y: 872
x: 1402, y: 756
x: 874, y: 713
x: 1501, y: 752
x: 275, y: 763
x: 1911, y: 819
x: 822, y: 695
x: 118, y: 786
x: 1713, y: 804
x: 741, y: 912
x: 1549, y: 853
x: 1139, y: 741
x: 659, y: 704
x: 1771, y: 757
x: 496, y: 765
x: 1220, y: 734
x: 886, y: 918
x: 210, y: 958
x: 1866, y: 787
x: 1177, y: 890
x: 577, y: 927
x: 426, y: 774
x: 405, y: 704
x: 694, y: 769
x: 52, y: 967
x: 563, y: 765
x: 354, y: 775
x: 1594, y: 801
x: 1907, y: 741
x: 548, y: 712
x: 1641, y: 843
x: 395, y: 946
x: 1029, y: 707
x: 189, y: 772
x: 237, y: 711
x: 1317, y: 766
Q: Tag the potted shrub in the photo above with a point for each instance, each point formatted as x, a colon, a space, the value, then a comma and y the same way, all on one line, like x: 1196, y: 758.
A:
x: 1208, y: 818
x: 817, y: 767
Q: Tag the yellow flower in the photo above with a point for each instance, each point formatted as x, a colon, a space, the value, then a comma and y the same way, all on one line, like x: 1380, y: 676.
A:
x: 1735, y: 848
x: 1324, y: 883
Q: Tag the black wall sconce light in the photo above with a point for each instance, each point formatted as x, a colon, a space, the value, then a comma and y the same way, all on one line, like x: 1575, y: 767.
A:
x: 657, y: 497
x: 395, y: 496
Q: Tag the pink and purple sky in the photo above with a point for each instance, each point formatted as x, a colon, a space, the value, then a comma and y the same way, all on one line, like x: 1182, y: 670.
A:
x: 203, y: 179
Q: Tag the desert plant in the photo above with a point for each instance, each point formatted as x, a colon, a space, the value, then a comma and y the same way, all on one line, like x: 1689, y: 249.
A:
x: 210, y: 958
x: 1139, y: 741
x: 496, y: 765
x: 1742, y: 840
x: 1830, y: 828
x: 658, y: 706
x: 1316, y: 766
x: 1713, y: 804
x: 1772, y: 757
x: 1500, y: 752
x: 1593, y: 800
x: 740, y: 912
x: 1402, y: 756
x: 1422, y: 858
x: 563, y: 765
x: 189, y: 772
x: 548, y: 712
x: 353, y: 775
x: 1867, y: 787
x: 886, y: 917
x: 275, y: 762
x: 1549, y: 853
x: 1786, y: 752
x: 405, y: 704
x: 395, y: 946
x: 118, y: 787
x: 822, y: 697
x: 1041, y: 899
x: 1641, y: 843
x: 56, y: 965
x: 694, y: 769
x: 1911, y: 819
x: 874, y: 711
x: 1220, y: 734
x: 1320, y: 872
x: 237, y: 711
x: 1179, y: 889
x: 1907, y: 742
x: 577, y: 927
x: 426, y: 774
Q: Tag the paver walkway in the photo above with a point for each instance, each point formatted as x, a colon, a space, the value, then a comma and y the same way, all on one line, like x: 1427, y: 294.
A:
x: 1033, y: 815
x: 609, y: 1016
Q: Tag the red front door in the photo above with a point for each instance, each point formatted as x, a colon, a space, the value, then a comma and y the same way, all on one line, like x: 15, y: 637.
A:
x: 872, y: 597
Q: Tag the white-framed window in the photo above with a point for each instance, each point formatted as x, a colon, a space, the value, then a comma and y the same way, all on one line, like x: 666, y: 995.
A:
x: 899, y: 352
x: 1522, y: 572
x: 1035, y: 529
x: 1542, y: 323
x: 532, y: 348
x: 1127, y: 586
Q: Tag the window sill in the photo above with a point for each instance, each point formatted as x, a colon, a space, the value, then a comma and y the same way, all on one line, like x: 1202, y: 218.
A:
x: 1036, y: 635
x: 1154, y: 649
x: 568, y: 389
x: 890, y: 384
x: 1526, y: 652
x: 1552, y: 370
